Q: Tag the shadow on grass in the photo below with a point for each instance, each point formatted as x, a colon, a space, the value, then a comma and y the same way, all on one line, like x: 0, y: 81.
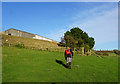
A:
x: 60, y: 62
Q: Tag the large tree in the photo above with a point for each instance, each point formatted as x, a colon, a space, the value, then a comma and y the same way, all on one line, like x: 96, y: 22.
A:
x: 78, y: 38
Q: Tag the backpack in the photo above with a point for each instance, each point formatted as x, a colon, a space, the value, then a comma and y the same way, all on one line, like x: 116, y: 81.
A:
x: 68, y: 52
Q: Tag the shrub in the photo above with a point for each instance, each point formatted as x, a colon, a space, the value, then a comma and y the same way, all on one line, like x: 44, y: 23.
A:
x: 106, y: 54
x: 19, y: 46
x: 98, y: 53
x: 116, y: 52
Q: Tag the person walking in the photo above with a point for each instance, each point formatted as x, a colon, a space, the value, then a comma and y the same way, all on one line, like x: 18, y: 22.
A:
x: 68, y: 53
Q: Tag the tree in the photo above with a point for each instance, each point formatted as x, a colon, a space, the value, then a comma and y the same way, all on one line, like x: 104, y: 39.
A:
x: 67, y: 33
x: 76, y: 33
x: 78, y: 38
x: 87, y: 47
x: 91, y: 42
x: 62, y: 43
x: 80, y: 42
x: 69, y: 41
x: 62, y: 40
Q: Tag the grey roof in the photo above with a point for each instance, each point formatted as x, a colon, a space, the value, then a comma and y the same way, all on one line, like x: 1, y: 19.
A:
x: 19, y: 30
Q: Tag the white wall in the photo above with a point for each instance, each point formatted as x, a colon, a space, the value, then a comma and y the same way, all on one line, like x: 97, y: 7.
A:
x: 41, y: 38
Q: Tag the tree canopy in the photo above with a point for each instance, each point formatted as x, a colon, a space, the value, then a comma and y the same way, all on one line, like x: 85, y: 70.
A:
x: 78, y: 38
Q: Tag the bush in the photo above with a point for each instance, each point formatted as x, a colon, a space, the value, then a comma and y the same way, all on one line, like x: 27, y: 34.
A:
x: 116, y: 52
x: 106, y: 54
x: 98, y: 53
x: 19, y: 46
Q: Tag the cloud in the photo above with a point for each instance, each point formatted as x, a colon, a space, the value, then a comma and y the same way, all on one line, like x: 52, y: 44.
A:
x: 103, y: 26
x: 100, y: 23
x: 94, y: 12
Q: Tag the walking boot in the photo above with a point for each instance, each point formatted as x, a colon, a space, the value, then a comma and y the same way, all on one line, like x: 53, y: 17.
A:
x: 69, y: 65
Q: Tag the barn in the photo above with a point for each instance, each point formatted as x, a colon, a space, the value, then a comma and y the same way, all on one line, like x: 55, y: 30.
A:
x: 19, y: 33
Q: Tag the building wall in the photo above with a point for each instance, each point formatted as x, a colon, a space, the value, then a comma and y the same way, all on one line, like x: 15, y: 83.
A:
x: 18, y: 33
x: 41, y: 38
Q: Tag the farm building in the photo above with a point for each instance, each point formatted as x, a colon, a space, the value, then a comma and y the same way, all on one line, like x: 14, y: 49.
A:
x: 42, y: 42
x: 19, y: 33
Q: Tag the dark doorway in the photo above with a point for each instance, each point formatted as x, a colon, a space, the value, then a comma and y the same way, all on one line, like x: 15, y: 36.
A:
x: 9, y: 34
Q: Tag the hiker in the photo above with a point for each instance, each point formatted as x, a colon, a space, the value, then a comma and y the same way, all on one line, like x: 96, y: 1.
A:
x: 68, y: 53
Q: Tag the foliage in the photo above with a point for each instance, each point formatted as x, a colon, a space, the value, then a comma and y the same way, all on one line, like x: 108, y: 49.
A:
x: 80, y: 42
x: 106, y: 54
x: 78, y: 38
x: 98, y: 53
x: 20, y: 45
x: 62, y: 43
x: 69, y: 41
x: 87, y: 47
x: 116, y: 51
x: 62, y: 40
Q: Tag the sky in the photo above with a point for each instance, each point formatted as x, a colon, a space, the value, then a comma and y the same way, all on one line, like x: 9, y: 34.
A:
x: 53, y: 19
x: 60, y: 0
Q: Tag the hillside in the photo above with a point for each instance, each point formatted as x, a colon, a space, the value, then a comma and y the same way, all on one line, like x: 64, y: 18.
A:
x: 35, y: 44
x: 25, y: 65
x: 30, y: 43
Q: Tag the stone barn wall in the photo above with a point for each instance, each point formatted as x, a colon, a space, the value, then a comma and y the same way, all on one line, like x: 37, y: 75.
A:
x: 19, y: 33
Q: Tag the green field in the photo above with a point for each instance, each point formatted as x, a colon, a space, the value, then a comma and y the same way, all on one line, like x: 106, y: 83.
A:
x: 23, y: 65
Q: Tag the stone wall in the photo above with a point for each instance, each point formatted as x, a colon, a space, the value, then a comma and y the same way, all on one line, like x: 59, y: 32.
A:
x: 15, y: 32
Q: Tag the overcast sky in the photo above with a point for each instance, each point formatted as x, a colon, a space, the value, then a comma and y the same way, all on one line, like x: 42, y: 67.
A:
x: 53, y: 19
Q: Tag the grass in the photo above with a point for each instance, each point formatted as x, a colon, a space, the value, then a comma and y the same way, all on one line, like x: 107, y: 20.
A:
x: 24, y: 65
x: 28, y: 42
